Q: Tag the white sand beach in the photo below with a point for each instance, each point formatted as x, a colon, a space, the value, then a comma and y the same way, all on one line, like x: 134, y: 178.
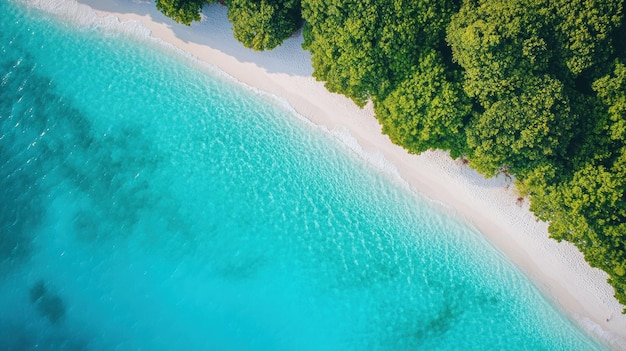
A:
x: 491, y: 205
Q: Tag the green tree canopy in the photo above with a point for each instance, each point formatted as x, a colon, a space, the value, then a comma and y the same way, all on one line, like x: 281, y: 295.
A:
x: 498, y: 43
x: 426, y: 111
x: 590, y: 212
x: 611, y: 90
x: 182, y: 11
x: 341, y: 36
x: 584, y: 30
x: 589, y: 208
x: 522, y: 131
x: 264, y: 24
x: 365, y: 48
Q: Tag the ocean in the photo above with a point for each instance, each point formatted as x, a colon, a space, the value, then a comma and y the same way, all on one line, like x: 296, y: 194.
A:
x: 150, y: 202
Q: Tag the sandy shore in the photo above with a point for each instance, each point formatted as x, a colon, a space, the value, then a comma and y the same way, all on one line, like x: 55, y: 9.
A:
x: 559, y: 270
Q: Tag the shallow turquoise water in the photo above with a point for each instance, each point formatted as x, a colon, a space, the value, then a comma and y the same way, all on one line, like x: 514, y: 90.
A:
x: 150, y: 203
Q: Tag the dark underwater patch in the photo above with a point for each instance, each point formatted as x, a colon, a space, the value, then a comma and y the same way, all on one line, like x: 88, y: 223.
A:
x: 16, y: 336
x: 48, y: 146
x: 48, y: 304
x: 21, y: 162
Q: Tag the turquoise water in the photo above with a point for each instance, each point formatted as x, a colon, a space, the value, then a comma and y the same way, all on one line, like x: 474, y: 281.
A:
x: 149, y: 203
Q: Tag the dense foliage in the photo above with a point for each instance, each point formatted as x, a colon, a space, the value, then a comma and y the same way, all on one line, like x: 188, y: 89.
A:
x: 427, y: 110
x: 533, y: 88
x: 365, y: 49
x: 264, y: 24
x: 182, y: 11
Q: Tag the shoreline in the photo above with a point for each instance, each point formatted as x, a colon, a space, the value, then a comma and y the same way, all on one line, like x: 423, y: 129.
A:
x: 490, y: 205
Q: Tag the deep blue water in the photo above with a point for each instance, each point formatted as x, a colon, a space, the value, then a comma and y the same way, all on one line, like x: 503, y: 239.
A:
x: 150, y: 203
